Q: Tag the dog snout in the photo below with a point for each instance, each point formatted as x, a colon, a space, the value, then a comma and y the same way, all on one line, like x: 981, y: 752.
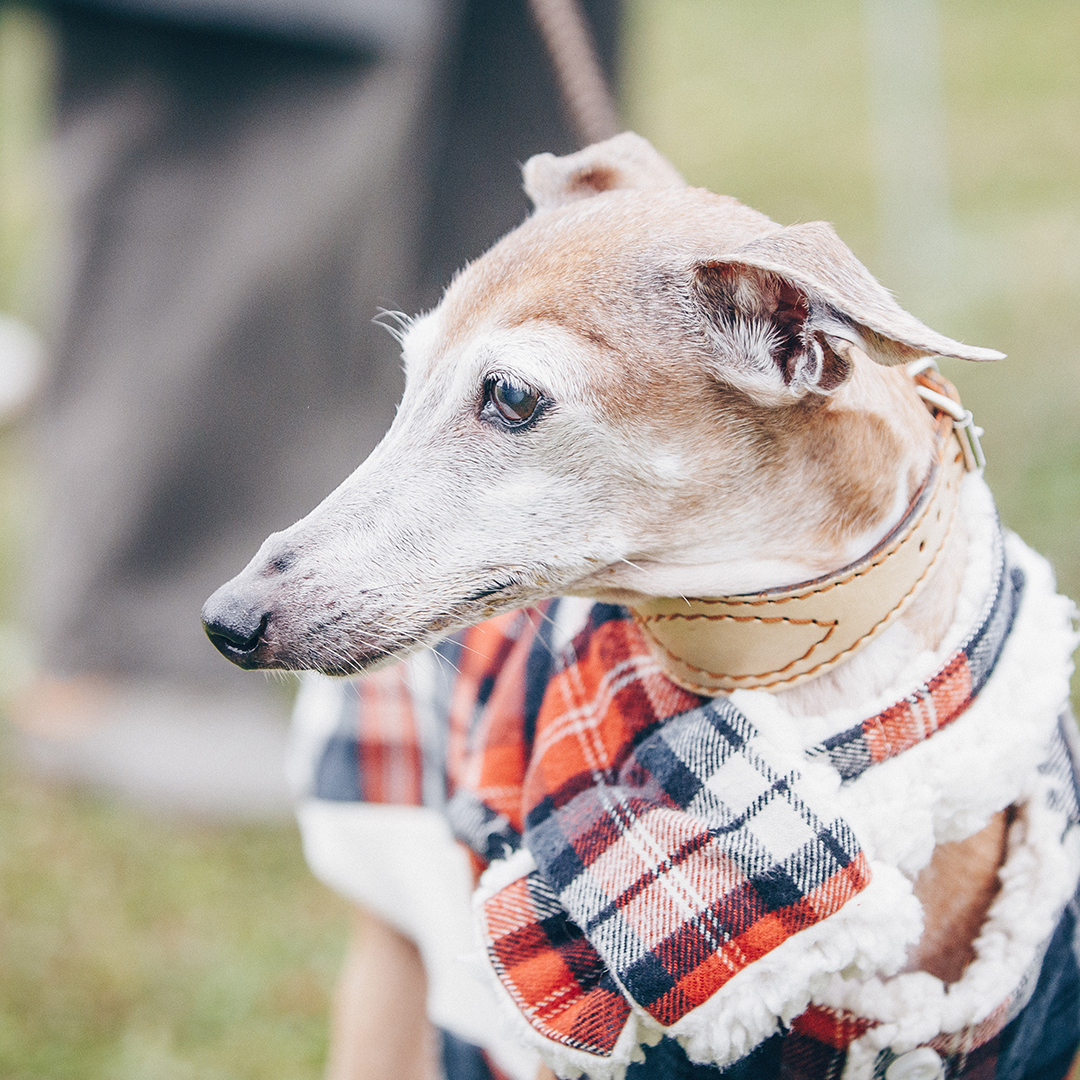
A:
x: 236, y: 625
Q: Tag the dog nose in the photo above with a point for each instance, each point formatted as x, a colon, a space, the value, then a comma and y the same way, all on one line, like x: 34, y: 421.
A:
x: 234, y: 625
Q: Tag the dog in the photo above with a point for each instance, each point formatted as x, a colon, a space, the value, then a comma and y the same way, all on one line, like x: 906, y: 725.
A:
x: 725, y: 437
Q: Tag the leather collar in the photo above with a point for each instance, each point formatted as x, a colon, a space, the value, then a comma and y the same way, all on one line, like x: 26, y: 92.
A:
x: 779, y: 638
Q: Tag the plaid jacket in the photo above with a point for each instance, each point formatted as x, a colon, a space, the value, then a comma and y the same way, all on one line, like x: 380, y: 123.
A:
x: 672, y: 844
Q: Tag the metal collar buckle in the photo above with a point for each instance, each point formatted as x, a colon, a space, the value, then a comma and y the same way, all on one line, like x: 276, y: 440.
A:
x: 963, y: 422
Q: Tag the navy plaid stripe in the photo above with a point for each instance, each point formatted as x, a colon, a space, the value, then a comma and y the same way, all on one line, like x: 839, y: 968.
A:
x: 1061, y: 767
x: 538, y: 671
x: 337, y: 773
x: 848, y: 753
x: 984, y: 648
x: 486, y: 832
x: 943, y: 698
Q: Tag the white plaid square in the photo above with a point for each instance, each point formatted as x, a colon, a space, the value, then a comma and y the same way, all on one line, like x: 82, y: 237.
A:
x: 780, y: 828
x: 736, y: 785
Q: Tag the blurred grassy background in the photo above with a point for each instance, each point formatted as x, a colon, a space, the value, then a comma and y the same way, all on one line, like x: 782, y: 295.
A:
x: 133, y: 947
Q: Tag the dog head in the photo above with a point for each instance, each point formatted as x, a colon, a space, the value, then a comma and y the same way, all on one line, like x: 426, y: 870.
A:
x: 645, y: 389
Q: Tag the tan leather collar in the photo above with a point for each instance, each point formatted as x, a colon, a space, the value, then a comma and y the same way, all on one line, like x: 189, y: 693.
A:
x: 777, y: 639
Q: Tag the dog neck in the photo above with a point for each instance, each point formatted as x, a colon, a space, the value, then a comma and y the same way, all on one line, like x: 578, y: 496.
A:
x: 782, y: 639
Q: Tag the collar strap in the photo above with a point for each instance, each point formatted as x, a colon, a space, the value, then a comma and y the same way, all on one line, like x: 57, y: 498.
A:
x: 779, y: 638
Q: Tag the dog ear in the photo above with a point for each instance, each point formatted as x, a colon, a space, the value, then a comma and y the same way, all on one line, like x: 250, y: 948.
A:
x: 626, y: 161
x: 784, y: 310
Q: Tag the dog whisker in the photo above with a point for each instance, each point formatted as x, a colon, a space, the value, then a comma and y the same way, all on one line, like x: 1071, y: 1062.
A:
x: 395, y: 323
x: 544, y: 617
x: 446, y: 660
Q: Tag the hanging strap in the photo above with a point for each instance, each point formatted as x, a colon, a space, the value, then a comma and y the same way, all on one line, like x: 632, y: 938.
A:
x: 578, y: 72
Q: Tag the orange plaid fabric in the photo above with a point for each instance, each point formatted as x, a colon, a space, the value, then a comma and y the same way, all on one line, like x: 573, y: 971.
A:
x: 672, y: 848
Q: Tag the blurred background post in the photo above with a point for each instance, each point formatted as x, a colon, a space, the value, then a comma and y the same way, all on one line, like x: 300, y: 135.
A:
x: 942, y: 139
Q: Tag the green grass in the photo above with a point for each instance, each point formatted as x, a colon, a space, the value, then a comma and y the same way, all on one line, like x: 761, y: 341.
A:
x: 25, y: 81
x: 131, y: 947
x: 134, y: 948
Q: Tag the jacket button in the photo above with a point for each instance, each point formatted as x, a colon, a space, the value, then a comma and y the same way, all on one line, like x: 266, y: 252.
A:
x: 922, y: 1063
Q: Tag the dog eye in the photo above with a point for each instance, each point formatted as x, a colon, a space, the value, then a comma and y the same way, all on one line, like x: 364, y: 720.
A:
x: 515, y: 402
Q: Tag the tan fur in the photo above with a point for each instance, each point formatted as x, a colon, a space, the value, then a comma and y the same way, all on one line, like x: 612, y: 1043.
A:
x: 719, y: 418
x: 956, y: 890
